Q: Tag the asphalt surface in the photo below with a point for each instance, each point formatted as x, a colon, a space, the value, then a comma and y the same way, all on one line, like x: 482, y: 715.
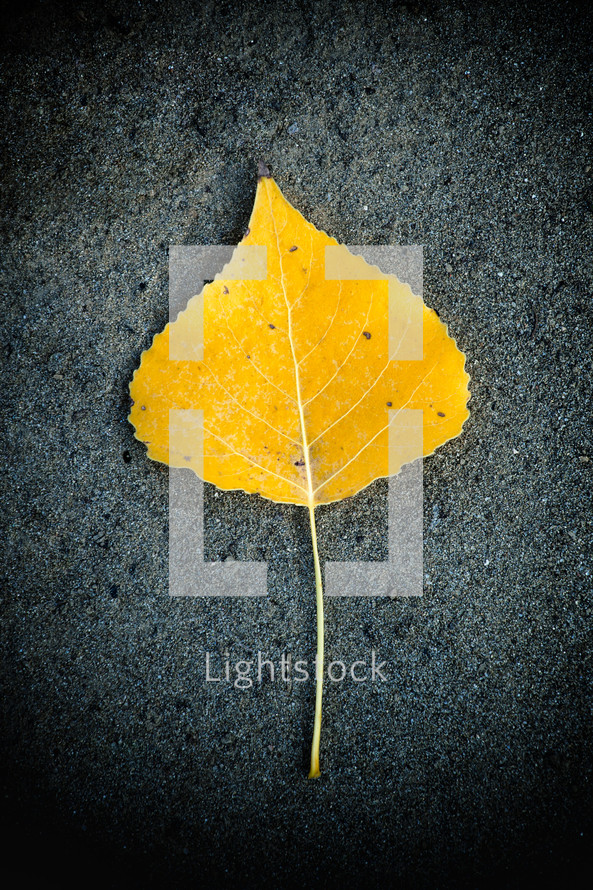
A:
x: 462, y: 128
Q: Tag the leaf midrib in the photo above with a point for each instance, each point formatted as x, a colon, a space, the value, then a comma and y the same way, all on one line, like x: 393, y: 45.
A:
x: 299, y: 401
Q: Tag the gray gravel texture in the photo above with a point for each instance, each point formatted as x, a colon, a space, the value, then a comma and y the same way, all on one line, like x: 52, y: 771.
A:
x: 465, y: 128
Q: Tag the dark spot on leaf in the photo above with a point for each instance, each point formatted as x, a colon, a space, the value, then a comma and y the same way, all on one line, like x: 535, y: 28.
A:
x: 143, y: 407
x: 299, y: 463
x: 132, y: 401
x: 440, y: 413
x: 187, y: 458
x: 366, y: 334
x: 389, y: 404
x: 127, y: 457
x: 225, y: 289
x: 248, y: 356
x: 291, y: 249
x: 272, y: 326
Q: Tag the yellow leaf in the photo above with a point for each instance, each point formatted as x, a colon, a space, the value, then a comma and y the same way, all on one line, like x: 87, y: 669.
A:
x: 298, y: 381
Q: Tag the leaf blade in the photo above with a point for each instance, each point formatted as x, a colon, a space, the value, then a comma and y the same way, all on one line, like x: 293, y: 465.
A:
x: 298, y: 380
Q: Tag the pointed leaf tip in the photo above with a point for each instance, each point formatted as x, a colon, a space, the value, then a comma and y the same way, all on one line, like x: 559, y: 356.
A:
x: 262, y: 170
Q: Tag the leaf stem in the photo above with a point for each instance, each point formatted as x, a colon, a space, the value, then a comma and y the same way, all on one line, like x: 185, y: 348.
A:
x: 314, y: 772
